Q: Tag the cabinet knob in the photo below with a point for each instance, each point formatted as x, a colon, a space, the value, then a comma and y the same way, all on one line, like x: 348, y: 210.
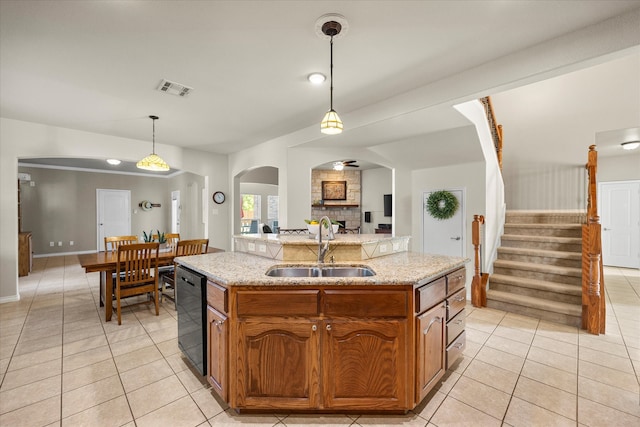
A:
x: 314, y: 328
x: 328, y: 327
x: 219, y: 323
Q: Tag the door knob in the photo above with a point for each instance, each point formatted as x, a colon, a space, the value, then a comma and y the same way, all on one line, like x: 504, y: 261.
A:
x: 456, y: 238
x: 607, y: 229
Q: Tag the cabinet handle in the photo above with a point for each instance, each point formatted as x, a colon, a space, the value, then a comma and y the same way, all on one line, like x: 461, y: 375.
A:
x: 459, y: 322
x: 219, y: 323
x: 328, y: 327
x: 458, y: 345
x: 434, y: 320
x: 459, y: 298
x: 314, y: 328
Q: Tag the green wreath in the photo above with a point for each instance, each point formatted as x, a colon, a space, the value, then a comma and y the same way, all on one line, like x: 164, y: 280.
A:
x: 442, y: 205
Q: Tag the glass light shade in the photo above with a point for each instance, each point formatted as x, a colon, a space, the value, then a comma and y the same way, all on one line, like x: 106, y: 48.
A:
x: 331, y: 123
x: 153, y: 162
x: 316, y: 78
x: 631, y: 145
x: 338, y: 166
x: 113, y: 162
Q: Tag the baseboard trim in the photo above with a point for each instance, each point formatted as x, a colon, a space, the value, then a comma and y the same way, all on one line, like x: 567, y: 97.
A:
x: 63, y: 254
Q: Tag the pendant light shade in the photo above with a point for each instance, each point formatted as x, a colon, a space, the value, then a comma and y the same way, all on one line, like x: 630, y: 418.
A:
x: 331, y: 123
x: 153, y: 162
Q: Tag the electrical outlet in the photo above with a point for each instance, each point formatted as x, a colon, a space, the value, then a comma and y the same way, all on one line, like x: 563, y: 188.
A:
x: 59, y: 243
x: 51, y: 243
x: 252, y: 246
x: 71, y: 243
x: 262, y: 248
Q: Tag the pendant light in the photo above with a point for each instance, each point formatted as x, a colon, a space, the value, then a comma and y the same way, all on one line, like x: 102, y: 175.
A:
x: 153, y: 162
x: 331, y: 123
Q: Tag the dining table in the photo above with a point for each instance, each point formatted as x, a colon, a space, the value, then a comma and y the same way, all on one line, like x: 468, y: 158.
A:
x: 106, y: 264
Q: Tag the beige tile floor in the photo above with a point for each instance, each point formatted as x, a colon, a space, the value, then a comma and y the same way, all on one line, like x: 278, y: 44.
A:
x: 61, y: 364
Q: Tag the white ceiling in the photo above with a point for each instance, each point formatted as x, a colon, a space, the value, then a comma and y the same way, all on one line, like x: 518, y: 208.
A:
x: 95, y: 65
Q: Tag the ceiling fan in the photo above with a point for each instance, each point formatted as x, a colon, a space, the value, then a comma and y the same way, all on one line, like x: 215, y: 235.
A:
x: 341, y: 165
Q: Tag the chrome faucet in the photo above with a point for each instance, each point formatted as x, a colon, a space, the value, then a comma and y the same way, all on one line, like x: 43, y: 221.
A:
x: 322, y: 250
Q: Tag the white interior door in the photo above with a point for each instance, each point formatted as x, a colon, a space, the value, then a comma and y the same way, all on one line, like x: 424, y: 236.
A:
x: 620, y: 218
x: 114, y: 214
x: 447, y: 236
x: 175, y: 211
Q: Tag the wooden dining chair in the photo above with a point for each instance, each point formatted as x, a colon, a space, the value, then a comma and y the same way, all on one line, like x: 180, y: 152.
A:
x: 172, y: 240
x: 183, y: 248
x: 137, y: 274
x: 111, y: 243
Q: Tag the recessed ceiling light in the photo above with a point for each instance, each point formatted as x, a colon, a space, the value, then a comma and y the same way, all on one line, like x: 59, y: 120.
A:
x: 316, y: 78
x: 114, y: 162
x: 630, y: 145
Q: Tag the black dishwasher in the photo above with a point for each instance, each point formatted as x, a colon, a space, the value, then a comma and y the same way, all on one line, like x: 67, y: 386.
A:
x: 191, y: 303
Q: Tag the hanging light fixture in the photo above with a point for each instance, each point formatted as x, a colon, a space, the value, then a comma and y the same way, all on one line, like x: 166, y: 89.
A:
x: 153, y: 162
x: 331, y: 123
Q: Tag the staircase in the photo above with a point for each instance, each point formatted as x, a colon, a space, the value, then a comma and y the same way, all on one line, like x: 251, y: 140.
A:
x: 538, y: 270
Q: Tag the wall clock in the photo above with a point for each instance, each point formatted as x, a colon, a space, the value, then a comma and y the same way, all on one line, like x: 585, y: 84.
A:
x: 218, y: 197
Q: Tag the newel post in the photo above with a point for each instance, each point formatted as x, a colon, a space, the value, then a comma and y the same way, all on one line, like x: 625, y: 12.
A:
x: 593, y: 301
x: 478, y: 288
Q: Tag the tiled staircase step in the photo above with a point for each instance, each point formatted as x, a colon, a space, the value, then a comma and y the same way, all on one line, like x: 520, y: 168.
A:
x: 557, y: 230
x: 569, y: 244
x: 541, y: 256
x: 549, y: 273
x: 552, y: 311
x: 546, y: 217
x: 537, y: 288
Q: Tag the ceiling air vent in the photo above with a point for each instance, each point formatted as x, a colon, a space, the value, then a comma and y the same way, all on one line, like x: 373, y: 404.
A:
x: 174, y: 88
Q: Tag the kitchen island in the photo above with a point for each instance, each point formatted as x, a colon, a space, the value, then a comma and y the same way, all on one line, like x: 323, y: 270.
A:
x: 377, y: 343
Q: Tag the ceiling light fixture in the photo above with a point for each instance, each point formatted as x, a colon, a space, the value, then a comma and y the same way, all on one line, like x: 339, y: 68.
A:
x: 630, y: 145
x: 338, y: 166
x: 114, y: 162
x: 153, y: 162
x: 316, y: 78
x: 331, y: 123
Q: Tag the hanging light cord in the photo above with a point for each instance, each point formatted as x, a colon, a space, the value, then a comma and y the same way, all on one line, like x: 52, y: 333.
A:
x: 331, y: 75
x: 153, y: 151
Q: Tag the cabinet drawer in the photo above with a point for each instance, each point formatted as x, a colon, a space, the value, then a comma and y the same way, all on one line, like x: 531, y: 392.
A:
x: 430, y: 294
x: 456, y: 303
x: 455, y: 349
x: 278, y: 303
x: 456, y: 280
x: 217, y: 297
x: 455, y: 326
x: 365, y: 303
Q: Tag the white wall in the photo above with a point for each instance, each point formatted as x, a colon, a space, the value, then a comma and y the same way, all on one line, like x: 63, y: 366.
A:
x: 23, y: 139
x: 619, y: 168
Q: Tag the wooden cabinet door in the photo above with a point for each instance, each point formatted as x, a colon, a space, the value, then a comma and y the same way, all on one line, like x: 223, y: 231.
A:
x: 365, y: 365
x: 217, y: 327
x: 278, y: 364
x: 430, y: 352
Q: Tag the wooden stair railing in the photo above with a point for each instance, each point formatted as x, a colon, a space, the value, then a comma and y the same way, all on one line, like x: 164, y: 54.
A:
x: 496, y: 129
x: 479, y: 282
x: 593, y: 296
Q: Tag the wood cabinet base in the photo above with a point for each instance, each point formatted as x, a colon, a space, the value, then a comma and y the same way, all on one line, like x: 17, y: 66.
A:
x: 327, y: 349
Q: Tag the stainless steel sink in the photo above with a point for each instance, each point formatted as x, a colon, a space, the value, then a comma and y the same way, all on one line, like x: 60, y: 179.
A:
x: 320, y: 272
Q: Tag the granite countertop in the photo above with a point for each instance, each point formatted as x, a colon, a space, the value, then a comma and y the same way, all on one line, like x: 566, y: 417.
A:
x: 305, y: 239
x: 241, y: 269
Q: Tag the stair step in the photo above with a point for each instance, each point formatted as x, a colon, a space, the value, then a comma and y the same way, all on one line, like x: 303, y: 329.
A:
x: 541, y: 256
x: 567, y: 244
x: 558, y: 230
x: 537, y: 284
x: 553, y: 311
x: 552, y: 291
x: 546, y: 217
x: 541, y: 268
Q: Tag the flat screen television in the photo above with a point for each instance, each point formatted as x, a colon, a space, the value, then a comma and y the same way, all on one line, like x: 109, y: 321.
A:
x: 387, y: 205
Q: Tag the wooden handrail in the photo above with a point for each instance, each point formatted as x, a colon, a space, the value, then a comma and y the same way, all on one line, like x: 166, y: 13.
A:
x: 496, y: 129
x: 593, y: 296
x: 479, y: 282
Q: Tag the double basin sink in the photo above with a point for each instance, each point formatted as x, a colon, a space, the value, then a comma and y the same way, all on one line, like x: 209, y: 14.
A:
x: 324, y: 271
